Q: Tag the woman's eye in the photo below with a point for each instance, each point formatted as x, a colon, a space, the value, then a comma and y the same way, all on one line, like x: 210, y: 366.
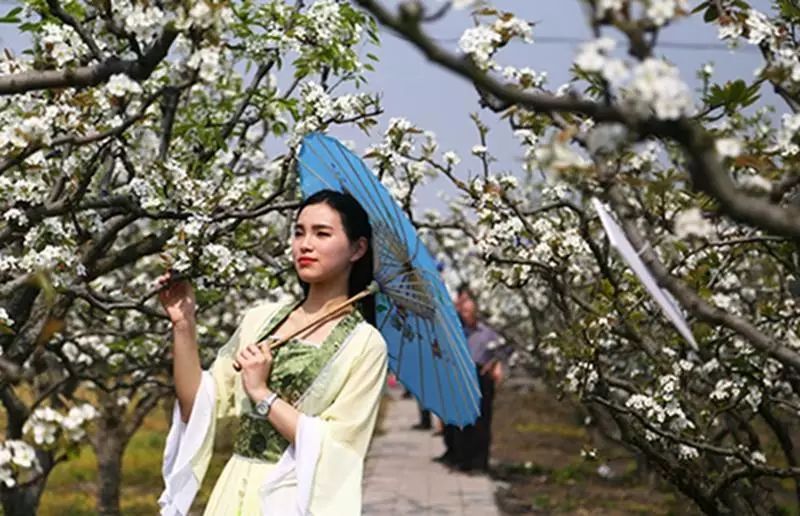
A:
x: 323, y: 234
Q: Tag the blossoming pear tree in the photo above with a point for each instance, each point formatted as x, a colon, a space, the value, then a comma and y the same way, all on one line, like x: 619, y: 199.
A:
x: 136, y: 136
x: 704, y: 185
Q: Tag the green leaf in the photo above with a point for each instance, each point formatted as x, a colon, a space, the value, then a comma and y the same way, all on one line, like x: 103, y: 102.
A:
x: 12, y: 16
x: 700, y: 7
x: 789, y: 9
x: 733, y: 95
x: 711, y: 14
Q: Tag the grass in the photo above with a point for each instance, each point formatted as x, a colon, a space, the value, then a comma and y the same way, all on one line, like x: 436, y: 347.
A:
x: 537, y: 444
x: 71, y: 487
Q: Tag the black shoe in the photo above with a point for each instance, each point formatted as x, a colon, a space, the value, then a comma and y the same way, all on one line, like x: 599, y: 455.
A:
x: 443, y: 459
x: 421, y: 426
x: 476, y: 469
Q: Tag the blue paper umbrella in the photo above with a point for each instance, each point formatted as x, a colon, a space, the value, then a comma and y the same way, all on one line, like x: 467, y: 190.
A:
x: 427, y: 348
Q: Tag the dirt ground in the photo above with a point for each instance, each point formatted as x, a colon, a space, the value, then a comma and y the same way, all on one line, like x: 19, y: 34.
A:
x: 536, y: 456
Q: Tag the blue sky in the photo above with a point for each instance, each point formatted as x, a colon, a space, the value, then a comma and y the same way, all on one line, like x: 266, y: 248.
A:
x: 438, y: 101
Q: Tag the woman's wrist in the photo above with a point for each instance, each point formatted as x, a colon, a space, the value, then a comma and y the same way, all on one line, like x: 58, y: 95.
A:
x: 259, y: 394
x: 187, y: 323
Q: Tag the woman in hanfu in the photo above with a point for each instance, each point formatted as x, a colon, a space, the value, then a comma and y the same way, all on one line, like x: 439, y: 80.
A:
x: 306, y: 410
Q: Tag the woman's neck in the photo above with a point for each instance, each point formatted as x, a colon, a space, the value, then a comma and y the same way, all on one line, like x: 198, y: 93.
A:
x: 325, y: 296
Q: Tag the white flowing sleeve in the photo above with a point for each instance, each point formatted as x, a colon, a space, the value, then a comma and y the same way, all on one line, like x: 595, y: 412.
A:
x: 190, y: 445
x: 327, y: 457
x: 188, y: 451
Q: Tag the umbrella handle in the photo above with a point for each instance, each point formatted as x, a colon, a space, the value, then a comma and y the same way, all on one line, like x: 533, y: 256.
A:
x: 330, y: 314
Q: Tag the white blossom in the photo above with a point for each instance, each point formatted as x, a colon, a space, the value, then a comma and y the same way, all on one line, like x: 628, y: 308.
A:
x: 662, y: 11
x: 21, y: 454
x: 16, y: 216
x: 5, y: 319
x: 657, y: 86
x: 592, y: 56
x: 120, y: 85
x: 686, y: 452
x: 730, y: 30
x: 754, y: 182
x: 725, y: 389
x: 479, y: 43
x: 759, y: 27
x: 728, y: 147
x: 602, y: 7
x: 451, y: 158
x: 479, y: 150
x: 200, y: 14
x: 207, y: 62
x: 690, y: 222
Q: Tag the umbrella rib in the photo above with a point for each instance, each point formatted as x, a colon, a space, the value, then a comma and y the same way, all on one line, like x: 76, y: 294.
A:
x: 325, y: 144
x: 393, y: 207
x: 421, y: 370
x: 386, y: 209
x: 338, y: 147
x: 392, y: 250
x: 311, y: 171
x: 417, y: 322
x: 400, y: 347
x: 411, y: 301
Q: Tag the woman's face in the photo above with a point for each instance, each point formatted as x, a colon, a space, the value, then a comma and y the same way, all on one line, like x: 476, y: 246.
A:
x: 320, y: 248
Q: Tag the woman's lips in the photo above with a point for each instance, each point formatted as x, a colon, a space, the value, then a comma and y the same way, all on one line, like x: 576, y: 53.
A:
x: 305, y: 261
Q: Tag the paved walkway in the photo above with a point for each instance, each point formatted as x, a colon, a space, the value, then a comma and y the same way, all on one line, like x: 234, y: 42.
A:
x: 401, y: 479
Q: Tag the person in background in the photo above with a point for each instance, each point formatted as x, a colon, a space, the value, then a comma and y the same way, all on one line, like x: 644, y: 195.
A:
x: 467, y: 449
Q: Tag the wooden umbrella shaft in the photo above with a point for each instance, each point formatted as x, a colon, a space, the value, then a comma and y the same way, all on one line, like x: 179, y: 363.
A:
x: 330, y: 314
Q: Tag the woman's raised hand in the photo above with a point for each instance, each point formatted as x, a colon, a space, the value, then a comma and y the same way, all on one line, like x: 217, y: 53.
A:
x: 177, y: 298
x: 255, y: 361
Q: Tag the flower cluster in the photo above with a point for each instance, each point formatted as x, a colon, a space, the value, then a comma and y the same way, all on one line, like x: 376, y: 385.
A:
x: 46, y: 425
x: 480, y: 43
x: 15, y: 457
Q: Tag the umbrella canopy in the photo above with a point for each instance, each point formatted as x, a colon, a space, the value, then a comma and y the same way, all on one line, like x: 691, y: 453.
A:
x: 619, y: 240
x: 427, y: 347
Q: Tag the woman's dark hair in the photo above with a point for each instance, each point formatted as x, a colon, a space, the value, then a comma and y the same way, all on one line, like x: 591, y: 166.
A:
x: 356, y: 225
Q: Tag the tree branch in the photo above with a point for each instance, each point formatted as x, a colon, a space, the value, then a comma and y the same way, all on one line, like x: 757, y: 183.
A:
x: 57, y: 11
x: 92, y: 75
x: 691, y: 300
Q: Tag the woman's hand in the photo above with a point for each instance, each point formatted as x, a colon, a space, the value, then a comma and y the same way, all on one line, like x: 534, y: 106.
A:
x: 256, y: 363
x: 177, y: 299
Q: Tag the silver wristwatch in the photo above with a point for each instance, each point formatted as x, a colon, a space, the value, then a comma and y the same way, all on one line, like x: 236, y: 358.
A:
x: 263, y: 407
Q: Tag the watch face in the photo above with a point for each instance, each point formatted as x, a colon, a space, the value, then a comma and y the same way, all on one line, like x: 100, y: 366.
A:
x: 261, y: 408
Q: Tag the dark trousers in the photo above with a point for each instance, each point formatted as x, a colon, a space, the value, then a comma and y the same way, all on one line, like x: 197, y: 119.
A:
x: 468, y: 448
x: 424, y: 417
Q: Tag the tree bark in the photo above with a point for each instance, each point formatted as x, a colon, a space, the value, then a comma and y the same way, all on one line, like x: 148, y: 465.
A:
x: 109, y: 472
x: 109, y: 442
x: 22, y: 501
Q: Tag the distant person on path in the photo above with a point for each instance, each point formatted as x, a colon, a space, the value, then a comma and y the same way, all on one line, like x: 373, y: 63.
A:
x: 468, y: 449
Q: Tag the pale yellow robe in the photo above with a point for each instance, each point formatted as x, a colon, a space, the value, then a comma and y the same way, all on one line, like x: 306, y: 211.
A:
x: 321, y: 473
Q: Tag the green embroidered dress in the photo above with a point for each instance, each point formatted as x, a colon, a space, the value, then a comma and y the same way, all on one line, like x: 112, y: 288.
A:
x: 336, y: 385
x: 295, y: 365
